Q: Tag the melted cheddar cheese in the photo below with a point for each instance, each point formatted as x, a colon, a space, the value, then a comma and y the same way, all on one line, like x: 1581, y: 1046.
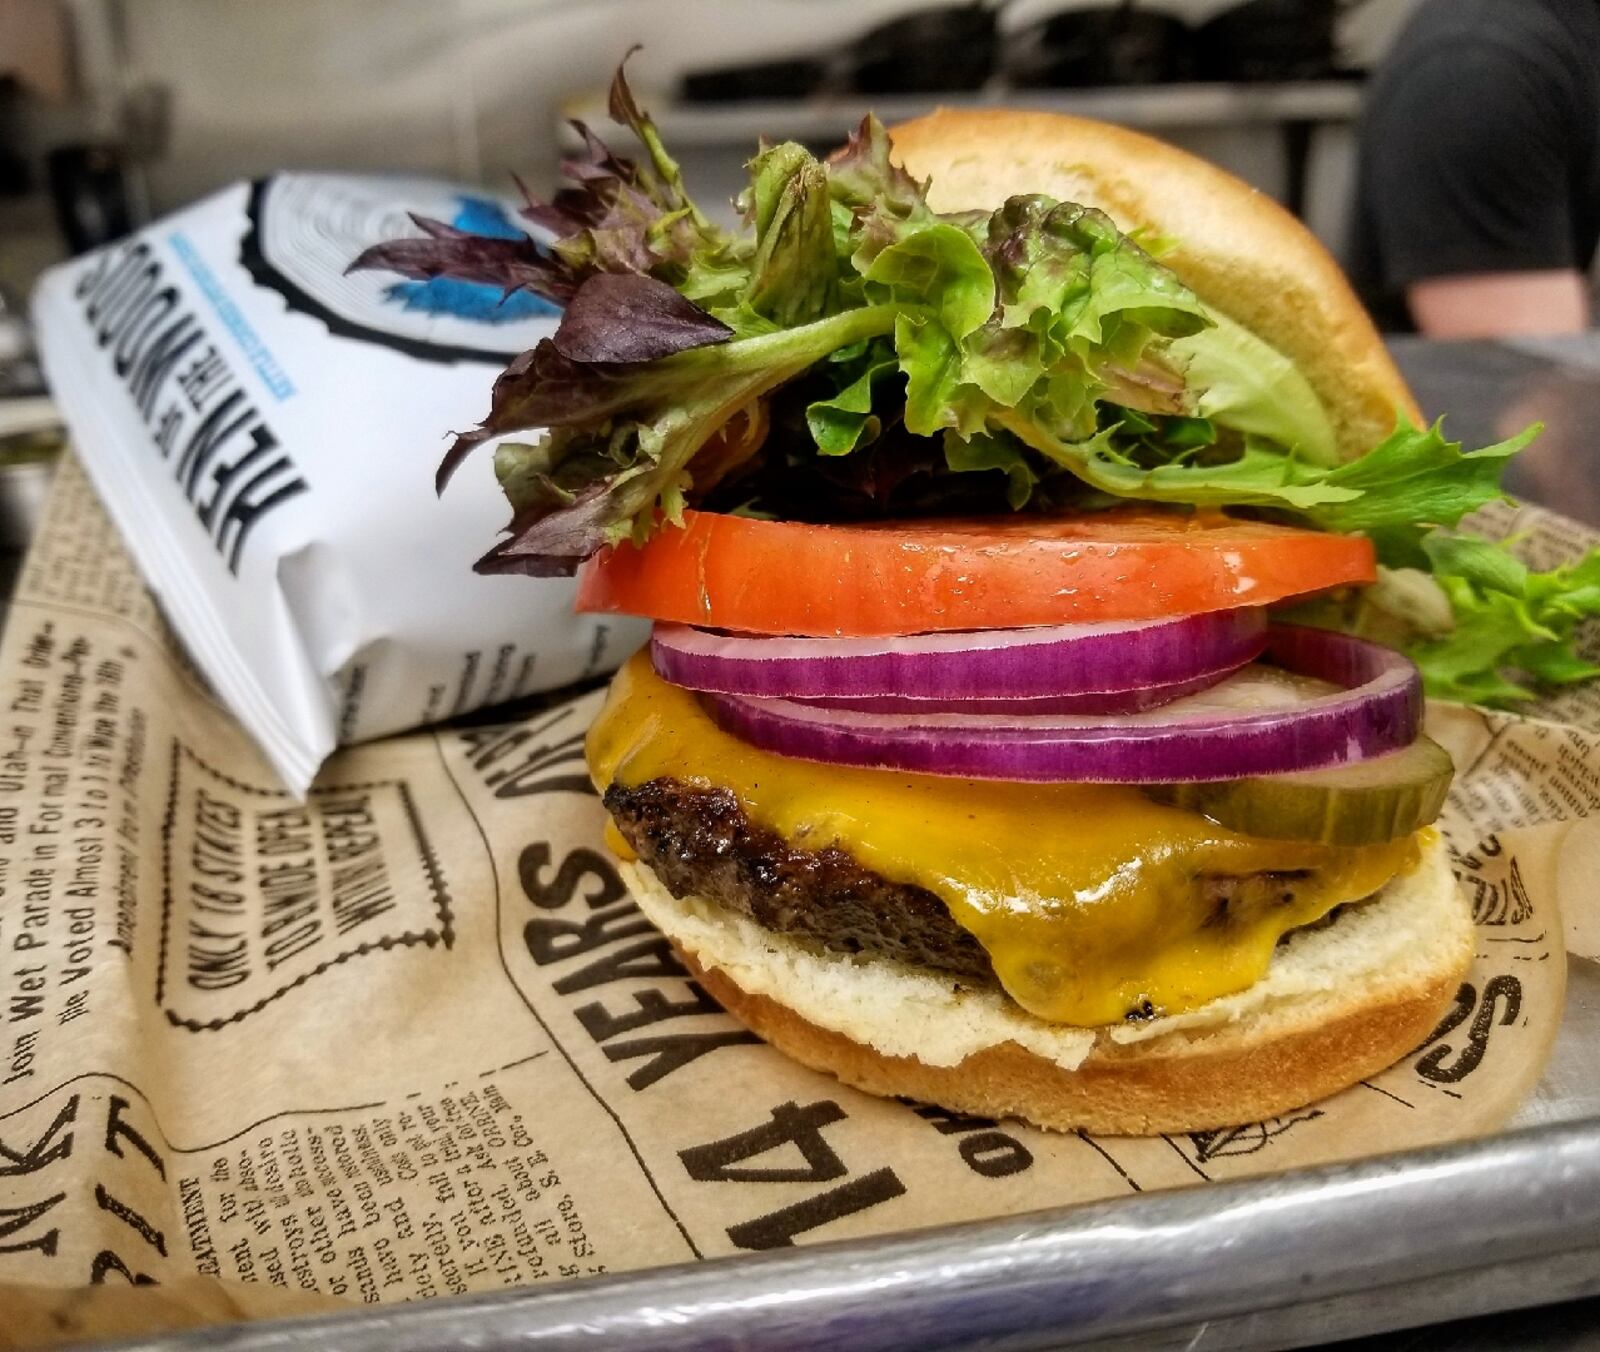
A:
x: 1089, y: 898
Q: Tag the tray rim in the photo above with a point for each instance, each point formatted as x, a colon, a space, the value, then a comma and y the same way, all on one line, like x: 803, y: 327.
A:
x: 1392, y: 1241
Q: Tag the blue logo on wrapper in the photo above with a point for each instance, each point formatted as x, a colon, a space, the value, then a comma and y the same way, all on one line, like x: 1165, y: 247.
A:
x: 304, y: 229
x: 476, y: 301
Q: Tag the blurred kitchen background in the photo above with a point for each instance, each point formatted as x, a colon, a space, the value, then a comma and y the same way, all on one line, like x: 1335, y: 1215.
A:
x: 115, y: 110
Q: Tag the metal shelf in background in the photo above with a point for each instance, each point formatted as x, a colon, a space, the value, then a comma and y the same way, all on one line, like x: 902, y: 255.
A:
x: 830, y: 117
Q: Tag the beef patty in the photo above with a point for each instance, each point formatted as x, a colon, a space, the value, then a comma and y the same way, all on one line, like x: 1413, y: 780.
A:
x: 699, y: 842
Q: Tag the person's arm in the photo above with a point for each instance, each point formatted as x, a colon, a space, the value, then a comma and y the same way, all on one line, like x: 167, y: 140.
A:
x: 1500, y: 304
x: 1467, y: 178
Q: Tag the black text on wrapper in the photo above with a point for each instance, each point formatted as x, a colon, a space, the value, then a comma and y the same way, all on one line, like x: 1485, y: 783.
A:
x: 226, y: 460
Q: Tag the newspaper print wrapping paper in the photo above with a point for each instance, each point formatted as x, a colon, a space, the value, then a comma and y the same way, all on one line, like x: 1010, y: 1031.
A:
x: 410, y: 1037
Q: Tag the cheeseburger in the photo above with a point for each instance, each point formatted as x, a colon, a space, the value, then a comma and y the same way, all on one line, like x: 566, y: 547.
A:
x: 1016, y: 498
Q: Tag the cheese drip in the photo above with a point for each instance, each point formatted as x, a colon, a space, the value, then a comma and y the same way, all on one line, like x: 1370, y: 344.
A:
x: 1088, y: 898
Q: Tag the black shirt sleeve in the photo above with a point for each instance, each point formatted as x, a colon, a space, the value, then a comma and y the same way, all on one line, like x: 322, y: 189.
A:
x: 1466, y: 163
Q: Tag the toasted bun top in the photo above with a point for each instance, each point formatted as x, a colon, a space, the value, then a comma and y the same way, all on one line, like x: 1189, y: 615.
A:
x: 1237, y: 249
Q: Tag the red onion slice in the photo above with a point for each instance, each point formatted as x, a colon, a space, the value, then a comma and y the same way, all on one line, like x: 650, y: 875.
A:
x: 1257, y: 722
x: 1068, y: 659
x: 1091, y: 702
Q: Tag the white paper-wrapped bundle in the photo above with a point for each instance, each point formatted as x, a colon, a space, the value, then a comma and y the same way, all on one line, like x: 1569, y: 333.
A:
x: 264, y: 430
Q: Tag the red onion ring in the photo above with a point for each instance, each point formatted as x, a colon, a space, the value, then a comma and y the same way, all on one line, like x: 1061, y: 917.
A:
x: 1091, y: 702
x: 1067, y: 659
x: 1378, y: 709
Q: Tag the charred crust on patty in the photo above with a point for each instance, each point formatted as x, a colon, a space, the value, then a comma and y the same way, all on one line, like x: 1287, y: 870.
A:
x: 700, y: 842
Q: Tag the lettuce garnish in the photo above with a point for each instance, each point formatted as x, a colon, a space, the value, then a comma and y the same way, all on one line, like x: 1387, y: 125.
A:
x: 853, y: 353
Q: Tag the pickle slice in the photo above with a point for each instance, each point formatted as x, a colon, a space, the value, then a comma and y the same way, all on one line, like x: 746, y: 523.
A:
x: 1362, y: 804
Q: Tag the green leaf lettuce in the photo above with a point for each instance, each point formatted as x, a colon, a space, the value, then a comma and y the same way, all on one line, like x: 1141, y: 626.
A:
x: 1033, y: 357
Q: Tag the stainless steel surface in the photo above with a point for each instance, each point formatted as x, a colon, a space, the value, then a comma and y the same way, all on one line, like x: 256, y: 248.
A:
x: 23, y: 490
x: 27, y: 413
x: 30, y: 431
x: 20, y: 377
x: 1282, y: 1261
x: 1490, y: 390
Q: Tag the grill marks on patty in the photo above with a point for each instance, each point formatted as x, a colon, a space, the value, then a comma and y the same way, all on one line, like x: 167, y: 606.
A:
x: 699, y: 842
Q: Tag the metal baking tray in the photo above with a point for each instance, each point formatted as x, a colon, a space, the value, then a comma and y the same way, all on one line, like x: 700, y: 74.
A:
x: 1287, y: 1260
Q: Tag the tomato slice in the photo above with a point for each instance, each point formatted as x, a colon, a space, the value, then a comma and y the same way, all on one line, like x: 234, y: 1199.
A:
x: 906, y: 577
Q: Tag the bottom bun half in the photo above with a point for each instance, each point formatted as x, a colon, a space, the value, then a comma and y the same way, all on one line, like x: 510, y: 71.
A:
x: 1341, y: 1001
